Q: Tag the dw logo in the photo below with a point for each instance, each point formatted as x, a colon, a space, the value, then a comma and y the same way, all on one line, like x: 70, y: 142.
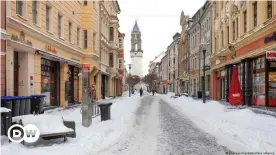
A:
x: 17, y: 133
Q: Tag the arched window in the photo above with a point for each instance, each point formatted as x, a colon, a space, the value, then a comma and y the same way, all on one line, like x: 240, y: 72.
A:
x: 136, y: 47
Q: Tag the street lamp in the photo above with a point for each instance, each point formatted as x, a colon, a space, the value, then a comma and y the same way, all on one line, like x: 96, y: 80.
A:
x: 203, y: 45
x: 129, y: 67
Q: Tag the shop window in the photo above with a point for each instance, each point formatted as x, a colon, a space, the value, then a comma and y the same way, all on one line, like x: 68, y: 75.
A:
x: 272, y: 89
x: 259, y: 81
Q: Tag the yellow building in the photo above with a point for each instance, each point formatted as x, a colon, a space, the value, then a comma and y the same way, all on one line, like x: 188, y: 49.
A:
x: 242, y: 33
x: 48, y: 42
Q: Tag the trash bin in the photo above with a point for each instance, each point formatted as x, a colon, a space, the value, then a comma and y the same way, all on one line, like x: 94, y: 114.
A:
x: 15, y: 105
x: 199, y: 94
x: 105, y: 111
x: 37, y: 104
x: 27, y: 105
x: 6, y: 121
x: 6, y: 101
x: 22, y: 105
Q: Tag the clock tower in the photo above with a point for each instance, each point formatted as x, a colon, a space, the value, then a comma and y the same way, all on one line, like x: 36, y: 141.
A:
x: 136, y: 52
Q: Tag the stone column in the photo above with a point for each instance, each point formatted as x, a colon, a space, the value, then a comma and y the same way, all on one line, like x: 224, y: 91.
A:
x: 63, y: 79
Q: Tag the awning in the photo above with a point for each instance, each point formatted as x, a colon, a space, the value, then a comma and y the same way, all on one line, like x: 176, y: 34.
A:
x: 60, y: 59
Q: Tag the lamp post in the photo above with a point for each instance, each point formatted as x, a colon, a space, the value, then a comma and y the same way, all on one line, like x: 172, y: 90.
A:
x: 129, y: 67
x: 203, y: 87
x: 204, y: 69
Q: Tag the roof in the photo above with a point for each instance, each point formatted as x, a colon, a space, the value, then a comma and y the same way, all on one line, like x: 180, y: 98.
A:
x: 135, y: 27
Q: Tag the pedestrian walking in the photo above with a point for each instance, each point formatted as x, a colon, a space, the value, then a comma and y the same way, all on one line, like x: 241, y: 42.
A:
x: 153, y: 91
x: 141, y: 92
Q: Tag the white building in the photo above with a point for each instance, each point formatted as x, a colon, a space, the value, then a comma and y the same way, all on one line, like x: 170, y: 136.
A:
x: 172, y: 52
x: 136, y: 52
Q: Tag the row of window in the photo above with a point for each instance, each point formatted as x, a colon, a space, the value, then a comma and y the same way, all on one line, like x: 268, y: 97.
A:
x: 235, y: 24
x: 60, y: 25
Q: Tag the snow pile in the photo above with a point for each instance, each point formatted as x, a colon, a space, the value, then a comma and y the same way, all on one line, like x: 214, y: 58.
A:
x: 47, y: 124
x: 239, y: 130
x: 3, y: 109
x: 89, y: 140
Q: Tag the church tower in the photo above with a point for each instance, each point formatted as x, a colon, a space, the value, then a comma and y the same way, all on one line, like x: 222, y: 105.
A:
x: 136, y: 52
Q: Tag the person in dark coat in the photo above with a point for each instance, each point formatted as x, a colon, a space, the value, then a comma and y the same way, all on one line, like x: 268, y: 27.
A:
x: 141, y: 92
x: 153, y: 91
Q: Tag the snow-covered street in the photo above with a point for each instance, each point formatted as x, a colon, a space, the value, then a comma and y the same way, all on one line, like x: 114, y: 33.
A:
x: 160, y: 125
x: 160, y: 129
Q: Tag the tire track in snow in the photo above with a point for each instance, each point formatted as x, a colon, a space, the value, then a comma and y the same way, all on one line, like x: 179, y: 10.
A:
x: 142, y: 138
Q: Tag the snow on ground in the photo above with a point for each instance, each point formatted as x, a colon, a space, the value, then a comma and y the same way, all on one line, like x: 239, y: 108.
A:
x: 239, y: 130
x: 99, y: 135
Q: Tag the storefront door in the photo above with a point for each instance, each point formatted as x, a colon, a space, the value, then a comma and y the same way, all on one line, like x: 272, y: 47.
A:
x: 49, y: 81
x: 15, y: 74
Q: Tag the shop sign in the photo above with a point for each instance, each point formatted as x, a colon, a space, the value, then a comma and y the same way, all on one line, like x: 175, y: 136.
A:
x: 21, y: 38
x: 50, y: 49
x: 270, y: 38
x: 271, y: 55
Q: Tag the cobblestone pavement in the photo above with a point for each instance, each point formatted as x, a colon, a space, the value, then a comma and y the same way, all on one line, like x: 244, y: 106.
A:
x: 161, y: 130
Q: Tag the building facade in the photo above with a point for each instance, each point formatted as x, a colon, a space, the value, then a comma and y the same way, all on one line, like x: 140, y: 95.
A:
x: 164, y: 74
x: 136, y: 52
x: 242, y: 33
x: 194, y: 37
x: 173, y: 64
x: 205, y: 40
x: 109, y: 47
x: 48, y: 43
x: 183, y: 57
x: 3, y: 48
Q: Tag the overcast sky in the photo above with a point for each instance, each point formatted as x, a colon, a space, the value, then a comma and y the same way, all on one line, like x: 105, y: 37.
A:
x: 158, y: 21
